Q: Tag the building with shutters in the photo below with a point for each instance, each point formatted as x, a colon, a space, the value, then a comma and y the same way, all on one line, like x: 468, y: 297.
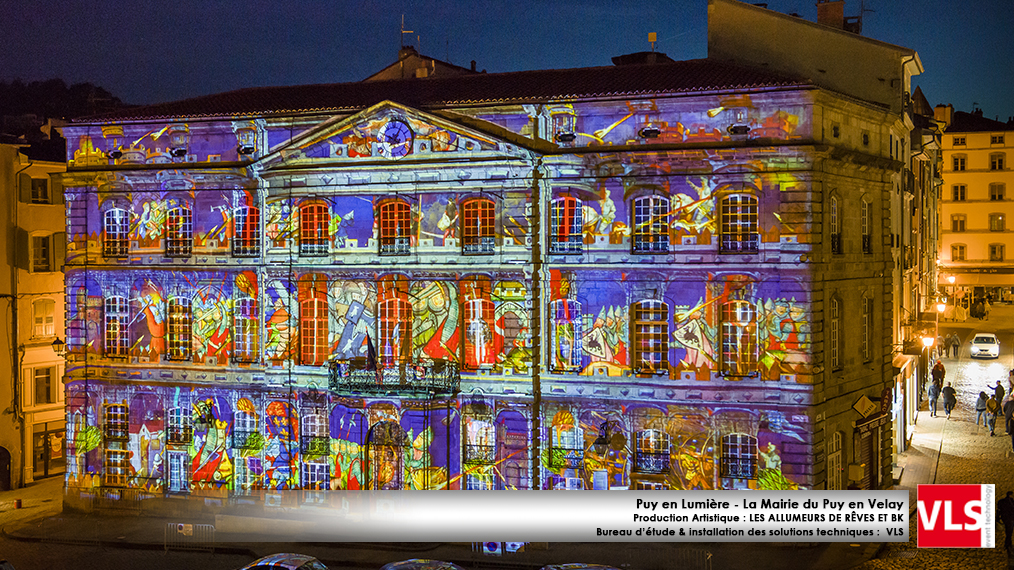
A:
x: 31, y: 303
x: 625, y: 277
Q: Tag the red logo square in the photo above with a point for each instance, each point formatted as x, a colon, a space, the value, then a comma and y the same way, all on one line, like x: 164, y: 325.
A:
x: 956, y: 516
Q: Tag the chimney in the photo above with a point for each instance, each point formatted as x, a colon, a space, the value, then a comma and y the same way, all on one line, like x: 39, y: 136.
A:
x: 473, y: 65
x: 831, y: 13
x: 944, y: 114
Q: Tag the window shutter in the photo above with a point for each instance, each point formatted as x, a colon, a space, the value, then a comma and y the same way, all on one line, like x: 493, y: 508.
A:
x: 58, y: 242
x: 56, y: 188
x: 23, y: 246
x: 25, y: 188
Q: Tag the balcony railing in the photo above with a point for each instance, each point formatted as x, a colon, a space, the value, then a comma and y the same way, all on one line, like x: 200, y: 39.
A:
x: 480, y: 454
x: 483, y: 245
x: 564, y: 458
x: 435, y: 377
x: 117, y: 432
x: 651, y: 462
x: 314, y: 445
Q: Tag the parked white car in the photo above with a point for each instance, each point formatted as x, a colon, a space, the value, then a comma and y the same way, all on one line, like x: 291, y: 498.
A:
x: 985, y: 345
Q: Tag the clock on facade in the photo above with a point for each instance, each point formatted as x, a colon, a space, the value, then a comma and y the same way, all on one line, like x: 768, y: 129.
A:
x: 394, y: 139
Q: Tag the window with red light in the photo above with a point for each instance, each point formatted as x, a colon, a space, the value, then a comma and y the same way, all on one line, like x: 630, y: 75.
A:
x: 313, y: 229
x: 477, y: 226
x: 395, y: 222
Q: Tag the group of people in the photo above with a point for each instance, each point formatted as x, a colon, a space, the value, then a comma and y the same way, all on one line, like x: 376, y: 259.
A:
x: 987, y: 407
x: 948, y: 345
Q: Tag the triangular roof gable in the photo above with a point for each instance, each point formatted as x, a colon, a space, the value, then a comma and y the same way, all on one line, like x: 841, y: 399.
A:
x: 390, y: 131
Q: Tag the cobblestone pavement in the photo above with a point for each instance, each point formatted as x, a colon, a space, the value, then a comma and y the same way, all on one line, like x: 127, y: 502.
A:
x: 968, y: 454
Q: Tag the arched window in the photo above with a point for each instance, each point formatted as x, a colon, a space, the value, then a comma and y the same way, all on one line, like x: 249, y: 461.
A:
x: 479, y: 332
x: 180, y: 320
x: 739, y: 337
x: 179, y: 240
x: 244, y: 330
x: 739, y: 224
x: 116, y: 314
x: 115, y: 233
x: 477, y: 227
x: 566, y: 342
x: 395, y: 224
x: 313, y: 328
x: 739, y: 456
x: 651, y: 224
x: 314, y: 219
x: 566, y: 223
x: 246, y: 223
x: 394, y: 323
x: 834, y: 222
x: 650, y: 336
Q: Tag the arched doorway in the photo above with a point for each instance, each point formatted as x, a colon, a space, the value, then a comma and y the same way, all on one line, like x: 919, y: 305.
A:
x: 386, y: 456
x: 5, y: 469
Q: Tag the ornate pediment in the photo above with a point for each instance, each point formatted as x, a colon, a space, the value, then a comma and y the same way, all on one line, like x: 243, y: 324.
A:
x: 389, y: 132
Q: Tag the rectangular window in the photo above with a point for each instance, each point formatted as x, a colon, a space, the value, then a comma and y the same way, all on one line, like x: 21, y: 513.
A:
x: 997, y: 222
x: 180, y: 425
x: 867, y: 329
x: 958, y: 192
x: 567, y: 335
x: 996, y: 161
x: 958, y: 223
x: 245, y: 434
x: 313, y: 330
x: 42, y: 254
x: 244, y: 330
x: 43, y: 315
x: 739, y: 456
x: 651, y: 336
x: 957, y: 253
x: 740, y: 233
x: 477, y: 225
x: 179, y: 232
x: 566, y: 226
x: 180, y: 321
x: 314, y: 236
x: 40, y: 191
x: 867, y: 227
x: 996, y: 252
x: 959, y: 163
x: 959, y: 141
x: 45, y: 385
x: 116, y: 230
x: 835, y: 334
x: 996, y: 139
x: 835, y: 223
x: 247, y: 223
x: 651, y: 224
x: 314, y: 476
x: 395, y: 228
x: 739, y: 337
x: 116, y: 422
x: 116, y: 321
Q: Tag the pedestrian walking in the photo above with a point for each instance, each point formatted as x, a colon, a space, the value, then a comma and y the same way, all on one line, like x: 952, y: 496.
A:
x: 998, y: 391
x: 939, y: 346
x: 1008, y: 415
x: 1005, y: 510
x: 938, y: 373
x: 985, y: 309
x: 950, y: 399
x: 934, y: 393
x: 954, y: 343
x: 992, y: 410
x: 980, y: 408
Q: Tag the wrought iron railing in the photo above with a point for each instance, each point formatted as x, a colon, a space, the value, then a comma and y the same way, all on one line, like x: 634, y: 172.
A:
x: 651, y: 462
x: 480, y: 454
x: 478, y: 245
x: 740, y: 243
x: 314, y: 445
x: 436, y: 377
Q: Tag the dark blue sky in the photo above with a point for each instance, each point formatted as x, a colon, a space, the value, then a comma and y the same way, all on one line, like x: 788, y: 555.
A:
x: 148, y: 51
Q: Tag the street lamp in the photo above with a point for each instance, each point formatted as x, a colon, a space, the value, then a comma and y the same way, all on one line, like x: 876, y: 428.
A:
x: 59, y: 347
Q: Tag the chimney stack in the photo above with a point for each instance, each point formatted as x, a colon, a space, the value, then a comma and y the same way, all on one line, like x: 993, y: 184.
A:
x: 831, y: 13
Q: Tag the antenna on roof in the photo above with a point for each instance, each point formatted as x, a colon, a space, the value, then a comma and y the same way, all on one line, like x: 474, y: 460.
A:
x: 652, y: 38
x: 404, y: 31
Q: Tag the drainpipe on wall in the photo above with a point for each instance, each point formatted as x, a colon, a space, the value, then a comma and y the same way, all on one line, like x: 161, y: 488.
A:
x: 535, y: 328
x: 15, y: 348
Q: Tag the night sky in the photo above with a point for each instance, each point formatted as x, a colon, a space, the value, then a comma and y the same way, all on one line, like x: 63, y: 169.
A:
x: 149, y: 52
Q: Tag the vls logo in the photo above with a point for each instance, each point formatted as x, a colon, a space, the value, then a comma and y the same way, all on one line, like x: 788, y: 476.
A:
x: 956, y: 516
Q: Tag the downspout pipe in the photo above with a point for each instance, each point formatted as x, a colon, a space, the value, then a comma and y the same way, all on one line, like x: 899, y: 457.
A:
x: 15, y: 344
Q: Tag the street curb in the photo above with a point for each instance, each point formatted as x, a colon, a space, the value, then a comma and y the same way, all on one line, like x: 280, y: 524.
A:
x: 119, y: 544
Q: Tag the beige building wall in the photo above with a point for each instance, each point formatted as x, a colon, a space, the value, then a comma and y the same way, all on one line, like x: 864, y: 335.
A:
x: 977, y: 210
x: 31, y: 303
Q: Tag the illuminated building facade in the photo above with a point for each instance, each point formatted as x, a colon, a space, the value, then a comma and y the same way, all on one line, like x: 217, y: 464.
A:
x: 645, y: 276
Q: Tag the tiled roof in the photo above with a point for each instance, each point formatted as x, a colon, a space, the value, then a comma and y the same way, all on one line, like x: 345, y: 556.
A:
x: 691, y: 76
x: 963, y: 122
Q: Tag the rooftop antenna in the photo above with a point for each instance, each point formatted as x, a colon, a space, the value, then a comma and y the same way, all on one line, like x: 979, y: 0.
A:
x: 404, y: 31
x: 652, y: 38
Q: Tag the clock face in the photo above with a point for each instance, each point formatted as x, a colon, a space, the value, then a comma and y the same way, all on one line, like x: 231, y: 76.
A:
x: 395, y: 139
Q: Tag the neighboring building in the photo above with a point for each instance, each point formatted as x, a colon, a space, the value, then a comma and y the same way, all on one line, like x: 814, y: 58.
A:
x: 977, y: 245
x: 627, y: 277
x: 31, y: 303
